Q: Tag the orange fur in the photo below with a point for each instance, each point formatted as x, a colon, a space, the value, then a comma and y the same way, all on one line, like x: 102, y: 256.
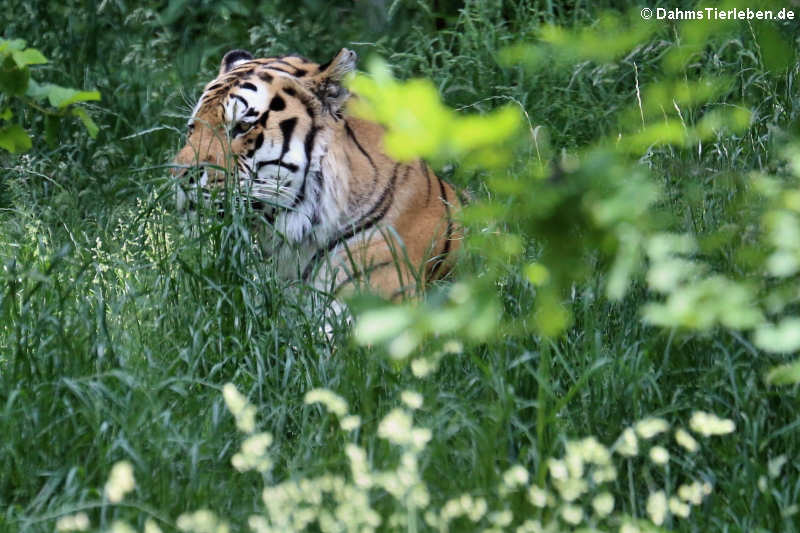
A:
x: 351, y: 214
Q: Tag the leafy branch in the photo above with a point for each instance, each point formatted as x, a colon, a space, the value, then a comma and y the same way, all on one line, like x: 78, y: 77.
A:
x: 53, y: 101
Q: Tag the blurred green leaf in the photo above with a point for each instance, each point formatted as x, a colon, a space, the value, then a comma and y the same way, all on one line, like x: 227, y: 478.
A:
x: 420, y: 125
x: 13, y: 79
x: 776, y: 53
x: 29, y: 56
x: 87, y: 121
x: 9, y: 45
x: 61, y: 97
x: 788, y: 374
x: 14, y: 139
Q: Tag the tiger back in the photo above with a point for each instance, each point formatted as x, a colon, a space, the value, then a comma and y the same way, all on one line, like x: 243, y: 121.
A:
x: 337, y: 210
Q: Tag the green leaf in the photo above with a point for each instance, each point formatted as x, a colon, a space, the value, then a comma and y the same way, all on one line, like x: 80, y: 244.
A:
x: 36, y: 90
x: 29, y: 56
x: 13, y: 79
x: 91, y: 127
x: 14, y: 139
x: 6, y: 114
x: 61, y: 97
x: 788, y: 374
x: 11, y: 45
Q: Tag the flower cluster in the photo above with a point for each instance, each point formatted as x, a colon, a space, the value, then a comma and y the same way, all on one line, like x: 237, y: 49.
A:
x: 572, y: 493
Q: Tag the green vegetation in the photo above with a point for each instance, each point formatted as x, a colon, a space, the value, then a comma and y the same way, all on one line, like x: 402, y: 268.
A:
x: 631, y: 266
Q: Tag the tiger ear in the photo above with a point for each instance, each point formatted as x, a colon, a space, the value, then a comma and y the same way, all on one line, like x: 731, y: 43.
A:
x: 233, y: 59
x: 328, y: 86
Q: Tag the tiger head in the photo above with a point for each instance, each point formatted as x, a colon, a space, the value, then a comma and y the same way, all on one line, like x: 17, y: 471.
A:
x: 263, y: 126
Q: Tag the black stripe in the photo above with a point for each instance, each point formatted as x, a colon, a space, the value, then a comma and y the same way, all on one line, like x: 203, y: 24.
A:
x: 448, y: 234
x: 287, y: 128
x: 300, y: 72
x: 251, y: 112
x: 309, y: 146
x: 266, y: 76
x: 288, y: 166
x: 289, y: 91
x: 259, y: 141
x: 249, y: 86
x: 352, y: 135
x: 424, y: 168
x: 277, y: 103
x: 407, y: 172
x: 317, y: 176
x: 373, y: 216
x: 262, y: 120
x: 246, y: 104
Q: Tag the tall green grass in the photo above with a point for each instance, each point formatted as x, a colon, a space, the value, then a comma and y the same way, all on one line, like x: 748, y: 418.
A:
x: 120, y: 321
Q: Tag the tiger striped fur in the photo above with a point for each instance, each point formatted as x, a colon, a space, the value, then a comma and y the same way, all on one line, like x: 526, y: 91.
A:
x: 338, y: 210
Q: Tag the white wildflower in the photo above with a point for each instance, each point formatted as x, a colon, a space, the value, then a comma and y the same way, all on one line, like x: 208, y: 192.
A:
x: 423, y: 367
x: 572, y: 514
x: 515, y: 476
x: 683, y: 438
x: 657, y: 507
x: 412, y: 399
x: 691, y: 493
x: 118, y: 526
x: 453, y: 347
x: 501, y: 519
x: 253, y: 454
x: 76, y: 522
x: 420, y: 437
x: 594, y: 452
x: 708, y: 424
x: 571, y: 489
x: 558, y: 469
x: 358, y: 465
x: 530, y: 526
x: 478, y: 508
x: 350, y: 422
x: 775, y: 465
x: 574, y: 459
x: 202, y: 521
x: 659, y: 455
x: 628, y: 444
x: 678, y: 508
x: 603, y: 504
x: 538, y: 496
x: 150, y: 526
x: 332, y: 401
x: 240, y: 408
x: 629, y: 527
x: 604, y: 474
x: 120, y: 481
x: 650, y: 427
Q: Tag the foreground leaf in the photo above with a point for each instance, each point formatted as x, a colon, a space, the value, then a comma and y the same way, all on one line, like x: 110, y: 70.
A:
x: 14, y: 139
x: 90, y: 125
x: 787, y: 374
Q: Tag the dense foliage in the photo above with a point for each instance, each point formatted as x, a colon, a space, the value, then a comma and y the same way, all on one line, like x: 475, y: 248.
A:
x: 631, y: 266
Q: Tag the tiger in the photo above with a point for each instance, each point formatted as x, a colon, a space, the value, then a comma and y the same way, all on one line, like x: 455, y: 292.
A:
x: 335, y: 210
